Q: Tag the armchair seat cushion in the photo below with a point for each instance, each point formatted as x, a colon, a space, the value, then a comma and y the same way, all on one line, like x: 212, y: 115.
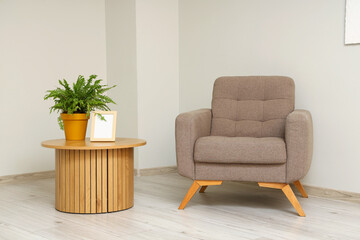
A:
x: 246, y: 150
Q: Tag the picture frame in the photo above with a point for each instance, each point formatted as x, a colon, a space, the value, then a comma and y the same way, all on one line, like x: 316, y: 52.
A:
x: 102, y: 131
x: 352, y: 22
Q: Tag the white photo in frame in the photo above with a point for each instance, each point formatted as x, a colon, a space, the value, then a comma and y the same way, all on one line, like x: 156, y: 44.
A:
x: 103, y: 130
x: 352, y: 22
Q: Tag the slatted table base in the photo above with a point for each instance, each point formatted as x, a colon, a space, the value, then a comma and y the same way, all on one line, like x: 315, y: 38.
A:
x: 94, y: 181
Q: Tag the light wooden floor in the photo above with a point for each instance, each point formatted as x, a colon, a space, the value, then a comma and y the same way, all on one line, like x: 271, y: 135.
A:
x: 231, y: 211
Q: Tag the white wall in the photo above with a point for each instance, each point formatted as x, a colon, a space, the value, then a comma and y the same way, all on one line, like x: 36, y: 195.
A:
x: 158, y: 80
x: 143, y: 60
x: 300, y: 39
x: 121, y: 65
x: 40, y: 42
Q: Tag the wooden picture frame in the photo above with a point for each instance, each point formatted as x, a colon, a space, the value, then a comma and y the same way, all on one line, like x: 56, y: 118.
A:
x: 101, y: 130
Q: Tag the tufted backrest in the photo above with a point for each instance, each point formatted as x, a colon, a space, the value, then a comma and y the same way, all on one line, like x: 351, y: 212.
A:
x: 255, y: 106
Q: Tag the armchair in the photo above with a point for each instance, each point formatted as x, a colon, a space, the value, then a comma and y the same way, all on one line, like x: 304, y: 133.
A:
x: 251, y: 133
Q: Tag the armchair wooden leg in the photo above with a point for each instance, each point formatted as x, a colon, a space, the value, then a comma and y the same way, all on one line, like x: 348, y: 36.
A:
x: 202, y: 189
x: 301, y: 189
x: 194, y: 187
x: 292, y: 198
x: 288, y: 193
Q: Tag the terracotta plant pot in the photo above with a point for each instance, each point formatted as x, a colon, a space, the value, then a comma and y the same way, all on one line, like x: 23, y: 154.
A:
x: 75, y: 126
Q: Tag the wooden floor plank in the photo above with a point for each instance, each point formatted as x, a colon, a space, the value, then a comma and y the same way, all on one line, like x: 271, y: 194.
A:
x: 231, y: 211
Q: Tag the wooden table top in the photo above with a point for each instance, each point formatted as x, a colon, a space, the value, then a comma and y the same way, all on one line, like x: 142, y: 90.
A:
x: 87, y: 145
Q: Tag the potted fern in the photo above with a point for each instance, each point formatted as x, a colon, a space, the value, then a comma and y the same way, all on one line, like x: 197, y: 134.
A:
x: 75, y: 104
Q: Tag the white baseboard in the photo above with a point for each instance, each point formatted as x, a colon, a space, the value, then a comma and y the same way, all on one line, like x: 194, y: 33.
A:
x: 27, y: 176
x: 51, y: 174
x: 332, y: 194
x: 154, y: 171
x: 311, y: 190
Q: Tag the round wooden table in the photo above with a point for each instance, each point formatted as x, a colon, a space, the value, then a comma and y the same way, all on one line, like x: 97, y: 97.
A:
x: 94, y: 177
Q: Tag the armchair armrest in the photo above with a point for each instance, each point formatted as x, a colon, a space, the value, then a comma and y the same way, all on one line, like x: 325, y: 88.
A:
x: 189, y: 127
x: 299, y: 144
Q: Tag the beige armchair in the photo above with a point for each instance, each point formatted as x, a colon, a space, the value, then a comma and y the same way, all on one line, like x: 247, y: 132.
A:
x: 252, y: 133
